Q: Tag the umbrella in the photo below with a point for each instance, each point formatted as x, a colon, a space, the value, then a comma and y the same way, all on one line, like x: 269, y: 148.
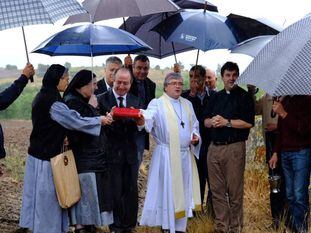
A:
x: 209, y: 30
x: 252, y: 46
x: 141, y: 27
x: 196, y: 4
x: 107, y: 9
x: 206, y: 30
x: 19, y: 13
x: 91, y: 40
x: 283, y: 66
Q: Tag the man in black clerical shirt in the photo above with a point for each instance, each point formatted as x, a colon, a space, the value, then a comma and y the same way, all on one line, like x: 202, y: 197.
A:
x: 230, y: 115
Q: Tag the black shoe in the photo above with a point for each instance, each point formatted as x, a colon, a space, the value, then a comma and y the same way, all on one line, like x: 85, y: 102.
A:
x: 21, y: 230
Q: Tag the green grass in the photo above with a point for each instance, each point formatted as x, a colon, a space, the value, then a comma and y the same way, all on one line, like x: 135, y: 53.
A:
x: 14, y: 163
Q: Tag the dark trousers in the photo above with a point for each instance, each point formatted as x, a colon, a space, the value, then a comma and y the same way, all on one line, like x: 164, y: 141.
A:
x: 277, y: 200
x: 125, y: 197
x: 203, y: 173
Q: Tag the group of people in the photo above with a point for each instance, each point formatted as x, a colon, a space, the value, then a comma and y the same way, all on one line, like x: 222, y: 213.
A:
x: 200, y: 137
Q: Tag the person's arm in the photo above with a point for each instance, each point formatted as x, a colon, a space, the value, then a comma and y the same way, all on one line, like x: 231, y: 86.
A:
x: 150, y: 115
x: 10, y: 94
x: 72, y: 120
x: 300, y: 122
x: 195, y: 135
x: 219, y: 121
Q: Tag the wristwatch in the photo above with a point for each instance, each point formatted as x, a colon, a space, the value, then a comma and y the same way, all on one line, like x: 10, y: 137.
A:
x: 229, y: 125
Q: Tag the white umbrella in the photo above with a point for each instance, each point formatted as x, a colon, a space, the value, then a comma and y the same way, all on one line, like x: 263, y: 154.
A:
x: 283, y: 66
x: 252, y: 46
x: 19, y: 13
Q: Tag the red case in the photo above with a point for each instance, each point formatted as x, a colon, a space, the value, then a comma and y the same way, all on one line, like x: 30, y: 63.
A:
x: 126, y: 113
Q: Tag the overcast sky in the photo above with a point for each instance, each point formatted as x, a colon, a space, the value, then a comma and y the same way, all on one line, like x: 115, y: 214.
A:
x: 281, y: 12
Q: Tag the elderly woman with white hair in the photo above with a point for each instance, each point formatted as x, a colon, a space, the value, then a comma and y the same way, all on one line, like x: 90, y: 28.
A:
x: 173, y: 190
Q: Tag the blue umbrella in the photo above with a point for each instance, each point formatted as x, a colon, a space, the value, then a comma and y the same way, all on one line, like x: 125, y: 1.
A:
x: 207, y: 30
x: 141, y: 27
x: 91, y: 40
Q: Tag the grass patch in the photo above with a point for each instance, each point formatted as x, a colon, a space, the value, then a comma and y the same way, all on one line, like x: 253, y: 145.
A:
x: 14, y: 163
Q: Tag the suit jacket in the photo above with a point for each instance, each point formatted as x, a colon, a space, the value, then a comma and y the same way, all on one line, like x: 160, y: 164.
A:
x: 150, y: 88
x: 199, y: 108
x: 102, y: 87
x: 121, y: 134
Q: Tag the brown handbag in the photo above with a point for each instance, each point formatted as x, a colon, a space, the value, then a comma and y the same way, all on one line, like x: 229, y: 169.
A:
x: 66, y: 179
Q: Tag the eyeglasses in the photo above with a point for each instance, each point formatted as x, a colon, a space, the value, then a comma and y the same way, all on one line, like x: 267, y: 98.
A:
x: 176, y: 84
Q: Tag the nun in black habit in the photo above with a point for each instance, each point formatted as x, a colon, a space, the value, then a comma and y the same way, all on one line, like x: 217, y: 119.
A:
x: 95, y: 206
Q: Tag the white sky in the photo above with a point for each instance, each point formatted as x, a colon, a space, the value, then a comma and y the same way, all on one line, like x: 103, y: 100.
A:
x: 281, y: 12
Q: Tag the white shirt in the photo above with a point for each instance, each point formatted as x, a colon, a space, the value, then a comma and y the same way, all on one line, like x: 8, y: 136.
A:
x: 117, y: 96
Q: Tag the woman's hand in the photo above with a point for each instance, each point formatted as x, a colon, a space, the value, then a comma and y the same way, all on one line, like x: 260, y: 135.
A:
x: 106, y: 120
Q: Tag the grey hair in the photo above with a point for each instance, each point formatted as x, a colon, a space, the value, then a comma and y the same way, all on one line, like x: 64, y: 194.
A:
x: 170, y: 76
x: 114, y: 60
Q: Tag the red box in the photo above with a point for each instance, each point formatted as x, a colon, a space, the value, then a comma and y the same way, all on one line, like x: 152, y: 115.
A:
x: 126, y: 113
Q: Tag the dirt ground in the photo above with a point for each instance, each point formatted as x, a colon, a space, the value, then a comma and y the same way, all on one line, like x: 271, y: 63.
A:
x: 16, y: 135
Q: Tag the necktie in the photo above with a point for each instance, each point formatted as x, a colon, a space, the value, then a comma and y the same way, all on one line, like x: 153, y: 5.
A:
x: 121, y: 105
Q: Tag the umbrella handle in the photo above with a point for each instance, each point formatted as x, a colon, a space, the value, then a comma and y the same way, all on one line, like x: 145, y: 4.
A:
x: 196, y: 63
x: 31, y: 77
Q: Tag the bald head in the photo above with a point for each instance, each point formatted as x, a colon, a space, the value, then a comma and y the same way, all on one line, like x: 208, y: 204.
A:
x: 210, y: 79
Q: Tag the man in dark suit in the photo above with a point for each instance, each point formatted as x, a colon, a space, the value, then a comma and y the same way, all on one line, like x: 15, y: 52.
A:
x: 199, y: 96
x: 112, y: 64
x: 144, y: 89
x: 122, y: 149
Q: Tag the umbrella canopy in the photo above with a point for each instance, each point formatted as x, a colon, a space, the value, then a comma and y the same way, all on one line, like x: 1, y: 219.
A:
x: 283, y: 66
x: 91, y: 40
x: 196, y: 4
x: 141, y: 27
x: 252, y: 46
x: 209, y: 30
x: 107, y: 9
x: 17, y: 13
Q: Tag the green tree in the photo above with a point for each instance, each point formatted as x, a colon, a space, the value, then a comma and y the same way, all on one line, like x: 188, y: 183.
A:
x: 10, y: 67
x: 67, y: 65
x: 41, y: 69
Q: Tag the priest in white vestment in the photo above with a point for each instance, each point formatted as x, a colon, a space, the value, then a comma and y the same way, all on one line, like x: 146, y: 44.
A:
x: 173, y: 189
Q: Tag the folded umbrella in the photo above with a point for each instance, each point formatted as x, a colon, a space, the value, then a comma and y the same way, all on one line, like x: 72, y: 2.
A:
x: 283, y: 66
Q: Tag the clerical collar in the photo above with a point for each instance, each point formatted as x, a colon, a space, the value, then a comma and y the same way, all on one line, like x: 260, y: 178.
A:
x: 228, y: 92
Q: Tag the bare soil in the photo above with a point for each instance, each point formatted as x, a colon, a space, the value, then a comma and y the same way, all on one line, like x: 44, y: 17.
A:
x: 16, y: 135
